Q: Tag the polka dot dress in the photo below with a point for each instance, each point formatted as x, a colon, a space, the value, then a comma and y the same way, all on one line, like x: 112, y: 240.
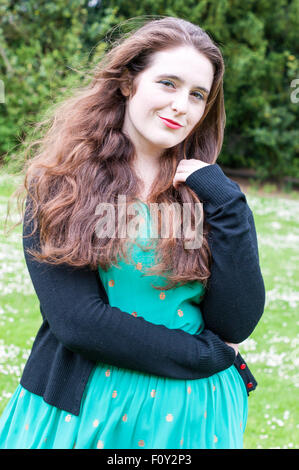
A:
x: 125, y: 409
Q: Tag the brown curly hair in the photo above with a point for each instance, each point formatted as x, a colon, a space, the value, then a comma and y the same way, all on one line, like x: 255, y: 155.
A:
x: 84, y: 159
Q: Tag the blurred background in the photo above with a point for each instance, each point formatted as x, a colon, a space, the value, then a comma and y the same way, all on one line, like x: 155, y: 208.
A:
x: 47, y: 49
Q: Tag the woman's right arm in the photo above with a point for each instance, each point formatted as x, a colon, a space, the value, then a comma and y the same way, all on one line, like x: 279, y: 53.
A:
x: 75, y: 305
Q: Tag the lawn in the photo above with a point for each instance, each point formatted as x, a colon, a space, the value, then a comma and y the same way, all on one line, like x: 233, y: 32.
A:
x: 271, y: 351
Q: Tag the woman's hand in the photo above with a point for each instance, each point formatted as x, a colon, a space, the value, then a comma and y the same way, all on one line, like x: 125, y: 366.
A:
x: 234, y: 346
x: 185, y: 168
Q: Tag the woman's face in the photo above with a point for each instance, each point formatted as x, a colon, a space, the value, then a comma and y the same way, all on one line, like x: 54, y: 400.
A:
x: 175, y: 86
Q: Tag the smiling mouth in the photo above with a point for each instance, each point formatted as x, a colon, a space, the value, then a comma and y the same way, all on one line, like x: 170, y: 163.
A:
x: 170, y: 123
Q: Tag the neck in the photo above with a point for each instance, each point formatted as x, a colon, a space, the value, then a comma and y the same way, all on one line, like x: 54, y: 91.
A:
x: 146, y: 170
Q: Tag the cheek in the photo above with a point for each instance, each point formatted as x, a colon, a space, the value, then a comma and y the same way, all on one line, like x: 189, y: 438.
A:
x: 150, y: 101
x: 140, y: 106
x: 196, y: 116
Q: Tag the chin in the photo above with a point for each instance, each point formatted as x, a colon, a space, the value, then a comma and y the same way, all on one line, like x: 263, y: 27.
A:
x: 164, y: 144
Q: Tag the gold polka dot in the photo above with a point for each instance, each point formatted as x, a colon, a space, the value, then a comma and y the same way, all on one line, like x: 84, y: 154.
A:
x: 169, y: 418
x: 22, y: 393
x: 125, y: 418
x: 100, y: 444
x: 214, y: 388
x: 180, y: 313
x: 111, y: 283
x: 68, y: 418
x: 141, y: 443
x: 162, y: 295
x: 114, y: 394
x: 181, y: 442
x: 107, y: 373
x: 95, y: 423
x: 153, y: 393
x: 205, y: 414
x: 134, y: 314
x: 139, y: 266
x: 189, y: 389
x: 26, y: 427
x: 215, y: 439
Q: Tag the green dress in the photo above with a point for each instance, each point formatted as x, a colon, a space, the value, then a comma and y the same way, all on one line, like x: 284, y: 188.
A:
x: 126, y: 409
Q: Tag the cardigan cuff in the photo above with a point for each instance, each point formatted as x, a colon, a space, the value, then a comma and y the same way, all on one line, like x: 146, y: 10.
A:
x: 212, y: 185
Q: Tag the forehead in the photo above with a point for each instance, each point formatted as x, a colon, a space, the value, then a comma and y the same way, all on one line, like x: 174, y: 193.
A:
x: 186, y: 62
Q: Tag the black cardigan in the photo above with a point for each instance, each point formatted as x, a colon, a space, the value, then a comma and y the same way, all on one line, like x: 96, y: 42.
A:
x: 79, y: 327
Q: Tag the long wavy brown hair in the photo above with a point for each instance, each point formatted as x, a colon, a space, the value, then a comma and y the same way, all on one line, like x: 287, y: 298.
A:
x: 84, y: 159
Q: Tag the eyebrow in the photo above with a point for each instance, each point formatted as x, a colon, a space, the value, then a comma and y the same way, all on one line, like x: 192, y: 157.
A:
x: 175, y: 77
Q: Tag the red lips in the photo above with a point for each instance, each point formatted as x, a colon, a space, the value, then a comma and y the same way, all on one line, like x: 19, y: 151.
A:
x: 171, y: 121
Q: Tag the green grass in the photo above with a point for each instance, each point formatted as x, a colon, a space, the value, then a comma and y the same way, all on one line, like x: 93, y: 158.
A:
x: 271, y: 351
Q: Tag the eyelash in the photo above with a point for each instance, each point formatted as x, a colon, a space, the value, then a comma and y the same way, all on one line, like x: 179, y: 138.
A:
x: 201, y: 97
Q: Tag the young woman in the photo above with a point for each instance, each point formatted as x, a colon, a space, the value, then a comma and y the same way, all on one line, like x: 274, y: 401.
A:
x: 138, y: 346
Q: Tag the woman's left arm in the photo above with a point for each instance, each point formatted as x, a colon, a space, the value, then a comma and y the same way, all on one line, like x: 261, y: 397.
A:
x: 235, y: 295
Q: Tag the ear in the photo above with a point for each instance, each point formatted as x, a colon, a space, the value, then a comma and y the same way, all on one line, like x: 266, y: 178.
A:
x: 126, y: 83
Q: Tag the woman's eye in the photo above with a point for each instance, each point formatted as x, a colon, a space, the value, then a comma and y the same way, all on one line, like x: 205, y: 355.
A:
x: 198, y: 95
x: 165, y: 82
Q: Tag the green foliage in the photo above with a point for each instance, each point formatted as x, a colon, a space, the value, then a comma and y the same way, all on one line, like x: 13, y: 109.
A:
x: 45, y: 47
x: 42, y: 57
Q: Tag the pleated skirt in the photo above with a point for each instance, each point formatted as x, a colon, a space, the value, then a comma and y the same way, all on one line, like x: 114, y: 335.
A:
x: 125, y: 409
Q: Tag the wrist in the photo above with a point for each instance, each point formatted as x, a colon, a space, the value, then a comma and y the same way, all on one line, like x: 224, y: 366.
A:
x: 212, y: 185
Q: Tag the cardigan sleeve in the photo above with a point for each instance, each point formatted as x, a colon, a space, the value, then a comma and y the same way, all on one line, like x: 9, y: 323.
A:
x: 235, y: 295
x: 76, y: 307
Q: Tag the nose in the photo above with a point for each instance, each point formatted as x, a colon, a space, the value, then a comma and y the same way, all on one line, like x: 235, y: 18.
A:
x: 180, y: 102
